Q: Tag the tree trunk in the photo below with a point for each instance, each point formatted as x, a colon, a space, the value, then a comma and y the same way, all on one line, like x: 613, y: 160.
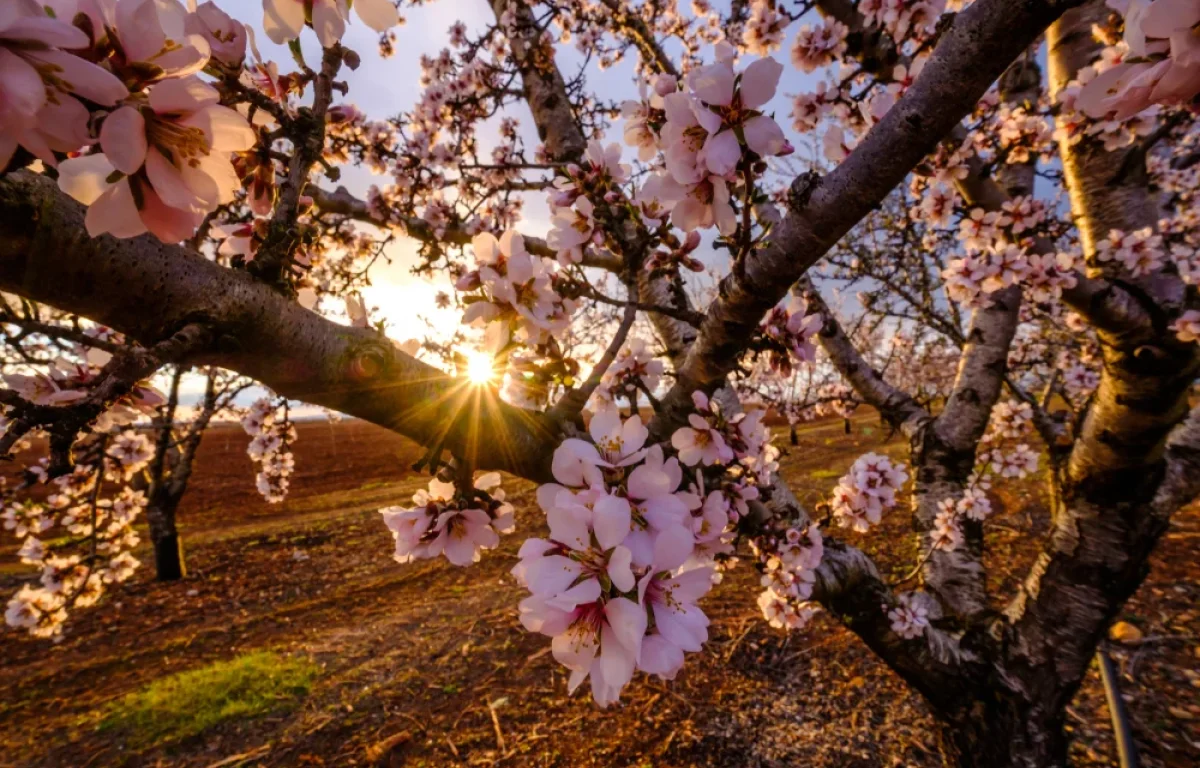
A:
x: 168, y: 547
x: 1005, y: 737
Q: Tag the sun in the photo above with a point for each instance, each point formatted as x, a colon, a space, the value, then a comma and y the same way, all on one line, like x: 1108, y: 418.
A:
x: 480, y: 368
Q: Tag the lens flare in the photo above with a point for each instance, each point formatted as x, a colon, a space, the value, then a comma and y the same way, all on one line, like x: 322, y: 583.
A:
x: 480, y: 368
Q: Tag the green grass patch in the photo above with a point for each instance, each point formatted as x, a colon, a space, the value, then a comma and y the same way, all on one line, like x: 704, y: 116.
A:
x: 187, y: 703
x: 824, y: 474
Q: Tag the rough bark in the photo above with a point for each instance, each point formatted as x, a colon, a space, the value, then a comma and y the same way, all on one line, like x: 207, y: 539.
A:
x: 1099, y: 200
x: 1105, y: 191
x: 542, y: 83
x: 1121, y: 480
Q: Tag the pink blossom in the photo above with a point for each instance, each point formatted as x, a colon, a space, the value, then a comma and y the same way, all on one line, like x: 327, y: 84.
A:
x: 700, y: 443
x: 591, y: 637
x: 725, y: 111
x: 283, y: 19
x: 764, y: 29
x: 1163, y: 68
x: 660, y: 529
x: 947, y: 533
x: 705, y: 204
x: 818, y: 47
x: 605, y: 160
x: 165, y: 164
x: 442, y: 523
x: 679, y: 624
x: 1187, y: 326
x: 868, y: 490
x: 1140, y: 252
x: 910, y: 616
x: 36, y: 76
x: 225, y: 36
x: 154, y: 35
x: 572, y: 228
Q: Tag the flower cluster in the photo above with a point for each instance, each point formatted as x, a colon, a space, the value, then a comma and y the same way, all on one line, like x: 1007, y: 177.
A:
x: 903, y: 19
x: 272, y: 435
x: 910, y: 616
x: 705, y: 132
x: 124, y: 78
x: 616, y: 583
x: 165, y: 162
x: 1003, y: 453
x: 44, y: 77
x: 1187, y: 326
x: 70, y: 380
x: 764, y: 29
x: 634, y: 371
x: 974, y: 505
x: 818, y: 47
x: 446, y: 521
x: 997, y: 256
x: 1161, y: 66
x: 792, y: 331
x: 868, y: 490
x: 788, y: 560
x: 636, y: 539
x: 512, y: 294
x: 90, y: 514
x: 1139, y: 252
x: 577, y: 196
x: 1003, y: 450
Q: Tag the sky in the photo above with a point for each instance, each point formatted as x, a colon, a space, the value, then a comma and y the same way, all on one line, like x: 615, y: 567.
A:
x: 382, y: 88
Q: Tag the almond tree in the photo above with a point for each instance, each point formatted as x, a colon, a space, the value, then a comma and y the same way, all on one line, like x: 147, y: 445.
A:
x: 181, y: 196
x: 176, y: 441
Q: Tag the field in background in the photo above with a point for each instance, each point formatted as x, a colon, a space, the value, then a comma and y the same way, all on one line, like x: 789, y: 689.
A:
x: 426, y: 665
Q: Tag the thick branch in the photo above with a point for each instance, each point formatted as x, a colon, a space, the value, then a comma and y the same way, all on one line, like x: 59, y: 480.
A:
x: 146, y: 290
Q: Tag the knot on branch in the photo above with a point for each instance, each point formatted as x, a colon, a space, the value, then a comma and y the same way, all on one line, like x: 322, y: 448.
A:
x: 801, y: 190
x: 368, y: 360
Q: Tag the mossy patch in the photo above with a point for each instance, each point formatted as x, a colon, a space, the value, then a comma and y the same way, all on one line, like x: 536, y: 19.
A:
x: 185, y: 704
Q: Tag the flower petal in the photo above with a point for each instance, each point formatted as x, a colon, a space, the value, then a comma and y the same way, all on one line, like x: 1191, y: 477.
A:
x: 123, y: 139
x: 764, y: 136
x: 283, y: 19
x: 115, y: 212
x: 759, y: 82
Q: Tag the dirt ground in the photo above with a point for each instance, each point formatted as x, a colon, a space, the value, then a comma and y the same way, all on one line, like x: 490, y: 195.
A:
x: 426, y: 664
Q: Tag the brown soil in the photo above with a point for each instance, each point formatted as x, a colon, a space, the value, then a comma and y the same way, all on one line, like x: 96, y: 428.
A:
x: 417, y: 658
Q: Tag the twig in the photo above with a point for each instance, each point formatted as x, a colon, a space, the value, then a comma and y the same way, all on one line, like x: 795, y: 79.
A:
x: 241, y: 758
x: 571, y: 404
x: 496, y: 725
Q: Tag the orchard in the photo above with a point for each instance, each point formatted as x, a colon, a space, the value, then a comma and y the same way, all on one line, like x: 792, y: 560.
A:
x: 661, y: 229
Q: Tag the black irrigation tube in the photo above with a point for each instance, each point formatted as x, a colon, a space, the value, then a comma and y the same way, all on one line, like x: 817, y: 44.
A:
x: 1126, y: 748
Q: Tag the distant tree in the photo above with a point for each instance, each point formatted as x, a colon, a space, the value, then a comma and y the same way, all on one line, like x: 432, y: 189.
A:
x: 1002, y: 231
x: 176, y: 441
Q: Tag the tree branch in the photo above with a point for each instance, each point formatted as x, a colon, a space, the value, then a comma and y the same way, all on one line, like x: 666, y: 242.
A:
x: 972, y: 53
x: 895, y: 405
x: 144, y: 289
